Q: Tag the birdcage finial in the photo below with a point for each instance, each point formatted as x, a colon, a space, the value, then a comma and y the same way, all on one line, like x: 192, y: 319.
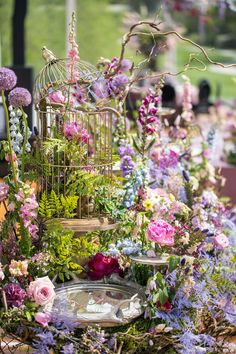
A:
x: 48, y: 55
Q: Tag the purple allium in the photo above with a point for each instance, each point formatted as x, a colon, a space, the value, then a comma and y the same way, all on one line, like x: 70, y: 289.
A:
x: 19, y: 97
x: 3, y: 191
x: 8, y: 79
x: 68, y: 349
x: 15, y: 294
x: 127, y: 166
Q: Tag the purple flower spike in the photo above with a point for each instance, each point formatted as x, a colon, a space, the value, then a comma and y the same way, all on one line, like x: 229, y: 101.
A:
x: 8, y: 79
x: 19, y: 97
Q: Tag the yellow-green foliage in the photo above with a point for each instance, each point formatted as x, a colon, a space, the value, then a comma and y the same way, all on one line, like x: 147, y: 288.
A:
x: 51, y: 205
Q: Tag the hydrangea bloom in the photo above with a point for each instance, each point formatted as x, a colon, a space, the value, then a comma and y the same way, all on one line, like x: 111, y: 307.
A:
x: 19, y: 97
x: 161, y: 232
x: 8, y: 79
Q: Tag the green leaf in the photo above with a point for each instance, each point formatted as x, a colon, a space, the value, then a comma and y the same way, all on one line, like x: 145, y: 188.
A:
x: 173, y: 263
x: 163, y: 296
x: 159, y: 279
x: 155, y: 297
x: 152, y: 142
x: 136, y: 145
x: 28, y: 316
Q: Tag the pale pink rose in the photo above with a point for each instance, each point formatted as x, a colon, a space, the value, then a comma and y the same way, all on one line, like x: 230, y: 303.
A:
x: 56, y: 97
x: 18, y: 268
x: 41, y: 291
x: 161, y: 232
x: 221, y: 241
x: 43, y: 318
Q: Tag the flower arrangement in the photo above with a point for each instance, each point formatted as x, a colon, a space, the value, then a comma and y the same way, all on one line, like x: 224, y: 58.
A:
x: 167, y: 206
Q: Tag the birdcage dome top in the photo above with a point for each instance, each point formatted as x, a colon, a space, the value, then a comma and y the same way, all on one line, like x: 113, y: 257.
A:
x: 55, y: 75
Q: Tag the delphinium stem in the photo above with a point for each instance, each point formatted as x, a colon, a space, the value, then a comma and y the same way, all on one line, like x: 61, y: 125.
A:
x: 24, y: 144
x: 9, y: 140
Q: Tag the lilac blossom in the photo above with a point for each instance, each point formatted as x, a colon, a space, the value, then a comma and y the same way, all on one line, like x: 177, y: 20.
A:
x: 8, y: 79
x: 19, y: 97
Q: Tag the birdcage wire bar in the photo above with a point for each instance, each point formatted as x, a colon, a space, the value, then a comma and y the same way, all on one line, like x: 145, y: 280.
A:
x: 94, y: 156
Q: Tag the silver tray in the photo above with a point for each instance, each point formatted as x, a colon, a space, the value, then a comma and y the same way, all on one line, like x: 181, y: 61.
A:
x: 96, y: 303
x: 152, y: 261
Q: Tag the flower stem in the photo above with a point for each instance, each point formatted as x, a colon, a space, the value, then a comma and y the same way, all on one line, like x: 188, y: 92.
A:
x: 9, y: 140
x: 24, y: 144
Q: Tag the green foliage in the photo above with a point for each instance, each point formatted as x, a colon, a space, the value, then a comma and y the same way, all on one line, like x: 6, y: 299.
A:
x: 109, y: 201
x: 223, y: 284
x: 4, y: 149
x: 83, y: 183
x: 65, y: 251
x: 51, y: 205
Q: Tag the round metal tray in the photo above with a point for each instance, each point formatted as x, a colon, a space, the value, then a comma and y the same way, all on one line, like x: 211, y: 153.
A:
x: 96, y: 303
x: 152, y: 261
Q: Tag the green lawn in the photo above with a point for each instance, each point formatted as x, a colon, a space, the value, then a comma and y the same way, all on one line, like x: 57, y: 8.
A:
x: 99, y: 34
x: 218, y: 79
x: 99, y: 30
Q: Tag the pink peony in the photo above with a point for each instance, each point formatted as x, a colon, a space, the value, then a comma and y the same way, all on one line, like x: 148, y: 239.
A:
x: 56, y: 97
x: 161, y: 232
x: 43, y: 318
x: 221, y: 241
x: 101, y: 266
x: 41, y: 291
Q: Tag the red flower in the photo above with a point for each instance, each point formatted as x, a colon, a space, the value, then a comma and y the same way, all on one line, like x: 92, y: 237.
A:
x: 166, y: 307
x: 100, y: 266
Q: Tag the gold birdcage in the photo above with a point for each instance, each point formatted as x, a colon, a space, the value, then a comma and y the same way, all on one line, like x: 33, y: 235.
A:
x: 90, y: 159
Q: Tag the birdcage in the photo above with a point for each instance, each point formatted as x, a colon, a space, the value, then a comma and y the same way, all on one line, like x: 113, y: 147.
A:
x: 74, y: 136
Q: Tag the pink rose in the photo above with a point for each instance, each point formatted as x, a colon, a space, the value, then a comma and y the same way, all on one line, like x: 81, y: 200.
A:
x: 56, y: 97
x: 221, y: 241
x: 41, y: 291
x: 161, y: 232
x: 43, y: 318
